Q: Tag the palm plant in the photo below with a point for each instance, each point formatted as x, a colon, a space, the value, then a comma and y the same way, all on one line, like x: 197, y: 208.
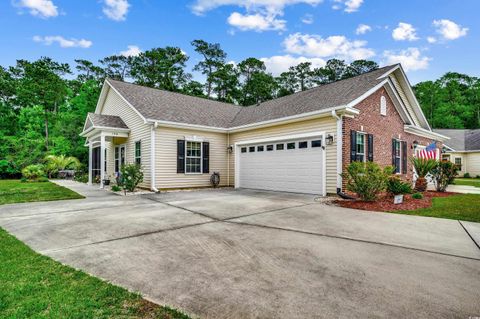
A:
x: 422, y: 167
x: 57, y: 163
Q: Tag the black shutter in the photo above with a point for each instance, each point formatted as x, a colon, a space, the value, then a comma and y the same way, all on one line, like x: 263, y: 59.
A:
x: 206, y: 157
x: 404, y: 157
x: 353, y: 146
x: 393, y: 152
x: 180, y: 156
x: 370, y: 147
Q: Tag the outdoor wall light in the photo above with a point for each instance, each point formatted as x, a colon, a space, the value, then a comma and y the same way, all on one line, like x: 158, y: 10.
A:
x: 230, y: 149
x: 329, y: 139
x: 415, y: 144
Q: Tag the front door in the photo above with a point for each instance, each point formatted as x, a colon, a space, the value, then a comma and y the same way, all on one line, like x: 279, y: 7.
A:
x: 119, y: 157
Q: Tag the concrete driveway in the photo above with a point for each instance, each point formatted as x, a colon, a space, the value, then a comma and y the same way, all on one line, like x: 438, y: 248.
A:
x: 252, y: 254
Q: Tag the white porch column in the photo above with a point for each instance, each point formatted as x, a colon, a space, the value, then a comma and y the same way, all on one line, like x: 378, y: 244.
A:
x: 102, y: 159
x: 90, y: 154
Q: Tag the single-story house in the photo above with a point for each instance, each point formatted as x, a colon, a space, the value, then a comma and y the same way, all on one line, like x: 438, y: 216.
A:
x: 463, y: 149
x: 297, y: 143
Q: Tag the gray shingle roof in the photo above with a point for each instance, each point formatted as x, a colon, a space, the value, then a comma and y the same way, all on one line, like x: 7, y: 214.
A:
x: 461, y: 140
x: 107, y: 120
x: 175, y: 107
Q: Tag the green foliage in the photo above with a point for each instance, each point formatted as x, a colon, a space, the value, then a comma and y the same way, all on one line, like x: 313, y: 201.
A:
x: 42, y: 179
x: 81, y: 177
x: 367, y: 180
x: 8, y: 170
x: 396, y: 186
x: 466, y: 175
x: 131, y: 176
x: 423, y: 166
x: 33, y: 172
x: 116, y: 188
x: 444, y: 174
x: 54, y: 164
x: 417, y: 196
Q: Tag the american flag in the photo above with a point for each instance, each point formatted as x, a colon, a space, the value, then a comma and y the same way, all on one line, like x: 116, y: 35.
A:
x: 429, y: 152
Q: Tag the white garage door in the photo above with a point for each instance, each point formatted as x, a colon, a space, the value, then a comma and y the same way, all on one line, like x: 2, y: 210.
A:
x: 288, y: 166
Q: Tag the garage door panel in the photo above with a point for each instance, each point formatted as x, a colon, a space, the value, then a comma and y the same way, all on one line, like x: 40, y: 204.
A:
x: 295, y: 170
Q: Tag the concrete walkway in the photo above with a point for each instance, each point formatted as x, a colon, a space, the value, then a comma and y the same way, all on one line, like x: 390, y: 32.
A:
x: 464, y: 189
x: 249, y: 254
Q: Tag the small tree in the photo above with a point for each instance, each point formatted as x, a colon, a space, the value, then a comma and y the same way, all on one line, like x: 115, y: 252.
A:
x: 423, y: 167
x: 58, y: 163
x: 131, y: 176
x: 444, y: 174
x: 367, y: 180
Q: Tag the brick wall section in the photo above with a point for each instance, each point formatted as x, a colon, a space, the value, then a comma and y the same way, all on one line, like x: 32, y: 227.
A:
x: 383, y: 128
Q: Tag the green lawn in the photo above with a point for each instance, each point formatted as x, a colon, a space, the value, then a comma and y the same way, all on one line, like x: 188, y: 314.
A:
x: 14, y: 191
x: 468, y: 181
x: 35, y: 286
x: 460, y: 207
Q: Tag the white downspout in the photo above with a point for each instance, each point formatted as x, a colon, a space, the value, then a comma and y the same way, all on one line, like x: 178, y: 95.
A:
x: 152, y: 157
x: 339, y: 150
x: 90, y: 172
x: 102, y: 159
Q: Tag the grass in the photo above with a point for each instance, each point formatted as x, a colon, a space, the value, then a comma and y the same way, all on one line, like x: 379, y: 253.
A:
x: 14, y: 191
x: 35, y: 286
x: 468, y: 181
x: 460, y: 207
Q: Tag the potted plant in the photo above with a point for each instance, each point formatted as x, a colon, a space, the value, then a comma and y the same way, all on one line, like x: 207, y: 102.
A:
x: 423, y: 167
x: 106, y: 181
x: 398, y: 188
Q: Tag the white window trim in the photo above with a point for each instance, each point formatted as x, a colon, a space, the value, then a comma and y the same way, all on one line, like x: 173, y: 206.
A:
x: 119, y: 156
x: 364, y: 145
x: 201, y: 156
x: 400, y: 157
x: 135, y: 151
x: 383, y: 106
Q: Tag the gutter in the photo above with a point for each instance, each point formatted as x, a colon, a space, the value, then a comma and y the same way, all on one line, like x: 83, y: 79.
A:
x: 152, y: 157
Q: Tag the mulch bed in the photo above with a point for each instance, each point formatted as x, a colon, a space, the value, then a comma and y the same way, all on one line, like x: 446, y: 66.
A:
x: 385, y: 202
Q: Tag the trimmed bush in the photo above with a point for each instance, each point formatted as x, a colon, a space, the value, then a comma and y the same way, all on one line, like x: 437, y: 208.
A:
x: 395, y: 186
x: 116, y: 188
x: 367, y: 180
x: 444, y: 174
x: 33, y: 172
x: 466, y: 175
x: 42, y: 179
x: 417, y: 196
x: 131, y: 176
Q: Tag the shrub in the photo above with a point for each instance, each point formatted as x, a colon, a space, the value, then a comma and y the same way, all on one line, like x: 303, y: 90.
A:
x: 116, y: 188
x: 466, y: 175
x: 42, y: 179
x: 396, y: 186
x: 81, y: 177
x: 53, y: 163
x: 478, y: 176
x: 423, y: 167
x: 444, y: 174
x: 417, y: 196
x: 23, y: 180
x: 367, y: 180
x: 33, y: 172
x: 8, y: 169
x: 131, y: 176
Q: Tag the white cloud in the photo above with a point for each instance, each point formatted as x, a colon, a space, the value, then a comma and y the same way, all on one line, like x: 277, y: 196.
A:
x: 350, y: 5
x: 333, y: 46
x: 64, y: 43
x: 449, y: 30
x: 431, y: 39
x: 132, y: 50
x: 40, y: 8
x: 255, y: 22
x: 363, y: 28
x: 116, y: 9
x: 280, y: 63
x: 411, y: 59
x: 307, y: 19
x: 404, y: 32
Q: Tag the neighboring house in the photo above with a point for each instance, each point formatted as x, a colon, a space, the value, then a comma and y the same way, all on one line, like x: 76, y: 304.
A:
x: 297, y: 143
x: 463, y: 149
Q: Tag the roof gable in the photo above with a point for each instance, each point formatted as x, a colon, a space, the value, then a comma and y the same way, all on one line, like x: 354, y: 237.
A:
x: 461, y: 140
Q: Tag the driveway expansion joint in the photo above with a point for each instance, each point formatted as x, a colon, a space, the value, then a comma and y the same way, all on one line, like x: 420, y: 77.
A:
x: 469, y: 235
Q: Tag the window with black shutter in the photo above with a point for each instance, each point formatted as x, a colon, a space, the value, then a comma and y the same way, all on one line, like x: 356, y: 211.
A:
x: 353, y: 146
x: 370, y: 147
x: 404, y: 157
x: 206, y: 157
x: 396, y: 155
x: 180, y: 156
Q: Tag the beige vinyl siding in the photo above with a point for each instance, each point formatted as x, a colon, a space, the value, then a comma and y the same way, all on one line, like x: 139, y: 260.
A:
x: 166, y: 158
x: 327, y: 125
x: 115, y: 105
x: 473, y: 163
x: 405, y: 100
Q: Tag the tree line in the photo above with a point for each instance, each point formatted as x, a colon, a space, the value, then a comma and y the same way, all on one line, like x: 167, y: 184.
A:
x: 43, y: 103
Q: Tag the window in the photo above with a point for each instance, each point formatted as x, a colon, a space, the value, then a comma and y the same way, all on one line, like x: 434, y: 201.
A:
x: 317, y: 143
x: 397, y: 156
x: 117, y: 159
x: 244, y: 149
x: 105, y: 161
x: 251, y: 149
x: 360, y: 147
x: 269, y: 147
x: 138, y: 152
x: 302, y: 144
x: 383, y: 106
x: 291, y: 146
x: 260, y: 148
x: 280, y: 147
x: 458, y: 162
x: 193, y: 158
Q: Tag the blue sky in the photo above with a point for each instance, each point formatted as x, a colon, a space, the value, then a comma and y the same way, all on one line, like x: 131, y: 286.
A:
x: 430, y: 37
